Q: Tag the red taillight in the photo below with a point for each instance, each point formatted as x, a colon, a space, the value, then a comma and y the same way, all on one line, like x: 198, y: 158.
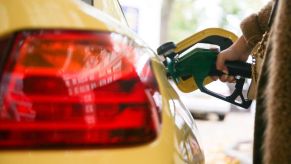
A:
x: 68, y: 88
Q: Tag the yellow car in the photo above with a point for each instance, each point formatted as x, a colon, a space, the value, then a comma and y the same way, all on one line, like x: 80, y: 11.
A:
x: 78, y: 86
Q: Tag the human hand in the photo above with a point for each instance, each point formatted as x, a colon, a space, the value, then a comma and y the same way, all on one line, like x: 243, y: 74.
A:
x: 239, y: 51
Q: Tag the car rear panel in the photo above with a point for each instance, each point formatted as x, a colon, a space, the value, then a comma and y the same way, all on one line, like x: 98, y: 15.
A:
x: 175, y: 143
x: 62, y: 14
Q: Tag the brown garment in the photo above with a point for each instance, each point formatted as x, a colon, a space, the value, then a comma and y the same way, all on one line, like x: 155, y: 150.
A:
x: 254, y: 26
x: 278, y: 133
x: 272, y: 136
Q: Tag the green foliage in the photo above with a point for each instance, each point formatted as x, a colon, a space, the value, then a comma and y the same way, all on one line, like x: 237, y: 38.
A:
x: 183, y: 20
x: 231, y: 7
x: 188, y: 15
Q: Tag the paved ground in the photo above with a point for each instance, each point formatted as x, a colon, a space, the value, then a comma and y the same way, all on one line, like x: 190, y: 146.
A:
x: 219, y: 137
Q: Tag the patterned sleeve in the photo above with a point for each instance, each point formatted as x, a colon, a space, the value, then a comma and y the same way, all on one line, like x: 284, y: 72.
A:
x: 254, y: 26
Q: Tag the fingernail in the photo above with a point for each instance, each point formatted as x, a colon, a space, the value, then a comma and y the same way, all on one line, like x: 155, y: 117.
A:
x: 225, y: 71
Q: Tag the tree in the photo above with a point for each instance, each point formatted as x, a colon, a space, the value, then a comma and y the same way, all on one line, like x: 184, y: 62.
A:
x: 165, y: 17
x: 182, y: 18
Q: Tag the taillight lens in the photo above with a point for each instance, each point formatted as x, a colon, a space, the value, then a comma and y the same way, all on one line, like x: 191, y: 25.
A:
x: 71, y: 88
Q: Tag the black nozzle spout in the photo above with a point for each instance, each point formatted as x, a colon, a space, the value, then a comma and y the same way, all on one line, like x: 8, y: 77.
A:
x: 167, y: 49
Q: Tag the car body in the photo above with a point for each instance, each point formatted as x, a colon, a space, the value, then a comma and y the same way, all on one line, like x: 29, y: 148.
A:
x: 78, y: 86
x: 203, y: 106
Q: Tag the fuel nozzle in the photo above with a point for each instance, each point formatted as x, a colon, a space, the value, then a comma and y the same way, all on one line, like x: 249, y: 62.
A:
x: 190, y: 62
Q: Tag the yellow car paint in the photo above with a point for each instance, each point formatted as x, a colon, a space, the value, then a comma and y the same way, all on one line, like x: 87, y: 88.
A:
x: 112, y: 8
x: 62, y: 14
x: 176, y: 142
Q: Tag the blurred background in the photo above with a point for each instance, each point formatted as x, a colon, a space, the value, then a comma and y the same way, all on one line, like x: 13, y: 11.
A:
x: 226, y: 130
x: 158, y: 21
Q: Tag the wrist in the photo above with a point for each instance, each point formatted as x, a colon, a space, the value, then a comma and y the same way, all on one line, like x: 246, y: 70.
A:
x: 240, y: 49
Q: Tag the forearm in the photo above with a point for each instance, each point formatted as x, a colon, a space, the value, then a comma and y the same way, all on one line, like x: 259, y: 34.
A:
x: 240, y: 49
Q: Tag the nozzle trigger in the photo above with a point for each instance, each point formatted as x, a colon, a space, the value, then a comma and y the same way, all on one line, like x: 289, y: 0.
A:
x: 233, y: 98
